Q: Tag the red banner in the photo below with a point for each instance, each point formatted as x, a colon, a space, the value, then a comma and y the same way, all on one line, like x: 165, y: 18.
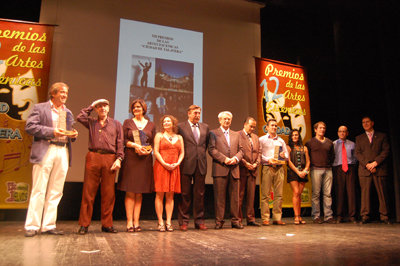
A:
x: 282, y: 94
x: 25, y: 50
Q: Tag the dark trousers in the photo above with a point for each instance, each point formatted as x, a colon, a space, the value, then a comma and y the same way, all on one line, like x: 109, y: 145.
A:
x: 221, y: 184
x: 247, y: 187
x: 380, y: 186
x: 97, y: 170
x: 186, y: 198
x: 345, y: 183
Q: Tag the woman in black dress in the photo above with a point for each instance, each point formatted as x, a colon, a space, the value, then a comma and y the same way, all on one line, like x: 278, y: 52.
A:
x: 299, y: 165
x: 136, y: 174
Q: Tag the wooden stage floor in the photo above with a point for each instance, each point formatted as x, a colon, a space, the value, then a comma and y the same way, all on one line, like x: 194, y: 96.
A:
x: 310, y: 244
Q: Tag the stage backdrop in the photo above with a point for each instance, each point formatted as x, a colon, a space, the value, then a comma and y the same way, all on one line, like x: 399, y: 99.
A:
x: 282, y: 94
x: 24, y: 72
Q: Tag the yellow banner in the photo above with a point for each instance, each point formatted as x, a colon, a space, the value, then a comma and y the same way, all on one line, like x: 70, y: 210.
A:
x: 282, y: 94
x: 25, y: 50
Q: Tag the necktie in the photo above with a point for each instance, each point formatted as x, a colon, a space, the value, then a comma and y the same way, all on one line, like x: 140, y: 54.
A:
x: 251, y: 141
x: 195, y: 133
x: 369, y: 137
x: 345, y: 166
x: 227, y: 137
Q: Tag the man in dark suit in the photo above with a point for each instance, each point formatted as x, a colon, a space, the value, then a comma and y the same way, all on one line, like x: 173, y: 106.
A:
x: 248, y: 169
x: 193, y: 168
x: 226, y: 152
x: 372, y: 150
x: 50, y: 124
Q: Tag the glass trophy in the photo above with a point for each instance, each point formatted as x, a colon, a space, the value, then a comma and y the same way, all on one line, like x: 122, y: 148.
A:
x: 277, y: 158
x: 141, y: 138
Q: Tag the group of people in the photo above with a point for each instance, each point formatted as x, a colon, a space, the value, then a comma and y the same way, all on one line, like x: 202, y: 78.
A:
x: 180, y: 166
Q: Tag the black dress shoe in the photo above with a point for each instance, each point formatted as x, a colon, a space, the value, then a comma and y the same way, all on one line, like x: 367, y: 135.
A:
x: 339, y: 220
x: 238, y: 226
x: 330, y: 221
x: 352, y: 220
x: 109, y: 229
x: 30, y: 233
x: 53, y: 232
x: 253, y: 224
x: 83, y: 230
x: 364, y: 220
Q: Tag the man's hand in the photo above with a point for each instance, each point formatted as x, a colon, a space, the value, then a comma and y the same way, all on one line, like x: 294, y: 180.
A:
x: 372, y: 166
x: 116, y: 165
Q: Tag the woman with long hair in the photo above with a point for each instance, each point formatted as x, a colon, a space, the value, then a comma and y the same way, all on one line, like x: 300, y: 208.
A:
x: 299, y: 165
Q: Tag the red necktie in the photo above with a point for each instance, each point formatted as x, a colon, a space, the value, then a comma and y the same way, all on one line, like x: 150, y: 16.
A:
x: 345, y: 166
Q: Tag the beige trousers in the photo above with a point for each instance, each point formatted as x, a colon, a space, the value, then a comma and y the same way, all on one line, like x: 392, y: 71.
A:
x: 271, y: 181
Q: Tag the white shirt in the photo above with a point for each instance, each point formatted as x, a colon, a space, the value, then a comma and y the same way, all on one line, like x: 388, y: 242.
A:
x: 268, y: 147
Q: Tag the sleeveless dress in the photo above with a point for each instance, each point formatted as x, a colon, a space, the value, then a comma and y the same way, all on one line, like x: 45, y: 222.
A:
x: 298, y: 158
x: 165, y: 180
x: 136, y: 173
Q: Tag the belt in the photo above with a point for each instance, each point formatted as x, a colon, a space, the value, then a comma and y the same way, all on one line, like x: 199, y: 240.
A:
x: 102, y: 151
x: 58, y: 143
x: 273, y: 165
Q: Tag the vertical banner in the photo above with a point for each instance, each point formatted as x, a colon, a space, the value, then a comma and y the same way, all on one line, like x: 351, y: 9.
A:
x: 282, y: 94
x: 25, y: 50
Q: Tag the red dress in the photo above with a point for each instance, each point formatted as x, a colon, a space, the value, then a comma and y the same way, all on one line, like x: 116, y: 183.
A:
x: 165, y: 180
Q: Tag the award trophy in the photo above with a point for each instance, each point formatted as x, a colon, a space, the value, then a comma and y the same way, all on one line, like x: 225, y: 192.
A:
x: 277, y: 158
x: 140, y: 138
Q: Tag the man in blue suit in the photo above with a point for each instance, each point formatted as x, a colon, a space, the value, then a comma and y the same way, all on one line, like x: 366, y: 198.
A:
x: 50, y: 124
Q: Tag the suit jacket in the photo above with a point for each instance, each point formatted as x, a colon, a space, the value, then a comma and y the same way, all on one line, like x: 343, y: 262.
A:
x: 195, y: 153
x: 377, y: 150
x: 251, y: 154
x: 219, y: 150
x: 40, y: 125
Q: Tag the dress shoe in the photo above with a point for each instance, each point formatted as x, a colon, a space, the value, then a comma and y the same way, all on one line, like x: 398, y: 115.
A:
x: 30, y: 233
x: 53, y: 232
x: 386, y: 221
x: 330, y: 221
x: 109, y: 229
x: 83, y: 230
x: 237, y: 226
x: 317, y: 221
x: 364, y: 220
x: 253, y: 224
x: 339, y: 220
x: 279, y: 222
x: 219, y: 226
x: 137, y: 229
x: 352, y: 220
x: 183, y: 227
x: 265, y: 223
x: 200, y: 226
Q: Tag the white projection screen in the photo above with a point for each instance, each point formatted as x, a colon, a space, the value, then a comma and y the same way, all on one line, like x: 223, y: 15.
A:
x: 210, y: 42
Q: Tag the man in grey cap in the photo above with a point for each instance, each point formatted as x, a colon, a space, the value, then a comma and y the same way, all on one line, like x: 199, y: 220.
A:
x: 106, y: 151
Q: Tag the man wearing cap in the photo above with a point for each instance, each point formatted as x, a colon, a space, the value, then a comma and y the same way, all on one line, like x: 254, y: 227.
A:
x: 106, y: 144
x: 50, y: 124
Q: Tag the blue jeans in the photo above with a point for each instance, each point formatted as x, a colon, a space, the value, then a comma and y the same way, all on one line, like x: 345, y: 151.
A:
x: 321, y: 178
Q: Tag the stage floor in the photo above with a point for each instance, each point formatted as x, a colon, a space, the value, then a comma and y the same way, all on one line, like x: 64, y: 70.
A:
x: 310, y: 244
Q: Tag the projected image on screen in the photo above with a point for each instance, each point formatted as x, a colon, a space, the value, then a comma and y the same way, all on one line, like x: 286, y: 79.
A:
x: 165, y: 85
x: 161, y: 65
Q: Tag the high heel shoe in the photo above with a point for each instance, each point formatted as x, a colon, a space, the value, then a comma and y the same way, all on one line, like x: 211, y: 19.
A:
x: 130, y: 229
x: 301, y: 220
x: 297, y: 220
x: 169, y: 227
x: 161, y: 227
x: 137, y: 228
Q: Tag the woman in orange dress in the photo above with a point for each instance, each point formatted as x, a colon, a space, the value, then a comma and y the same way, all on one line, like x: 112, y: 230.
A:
x: 169, y: 152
